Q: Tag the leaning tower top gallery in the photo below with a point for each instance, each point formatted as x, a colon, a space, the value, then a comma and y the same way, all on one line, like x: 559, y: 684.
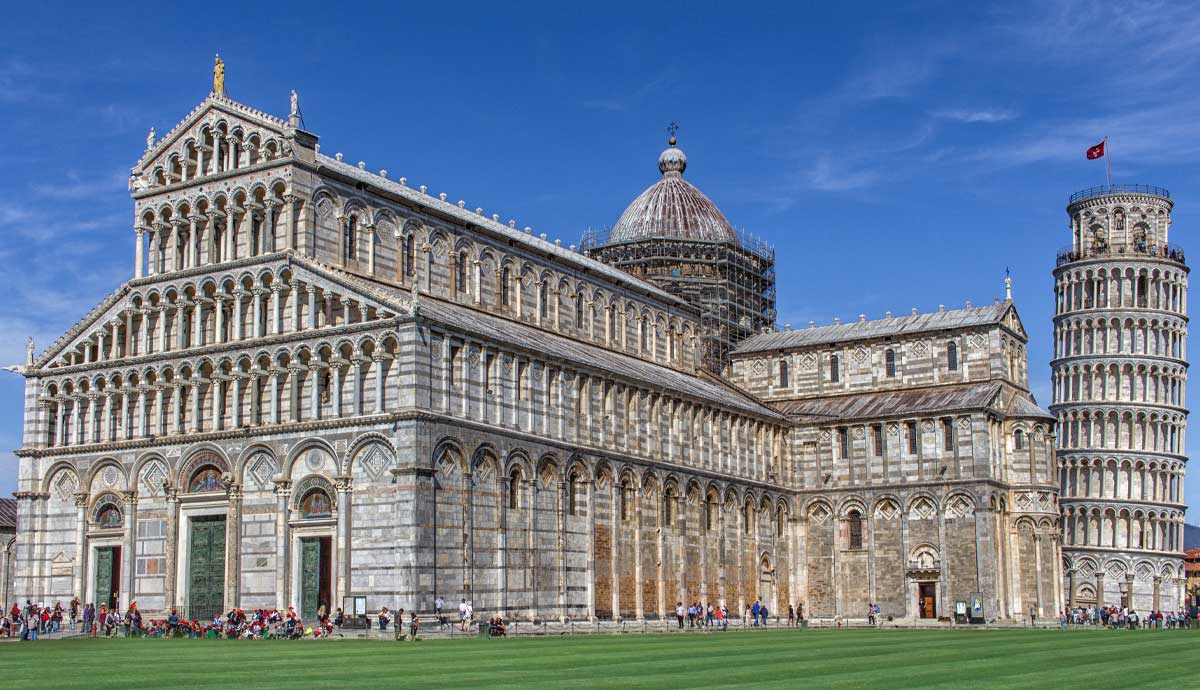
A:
x: 1120, y: 378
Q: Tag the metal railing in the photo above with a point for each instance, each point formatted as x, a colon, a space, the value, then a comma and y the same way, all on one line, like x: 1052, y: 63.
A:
x: 1170, y: 251
x: 1117, y: 189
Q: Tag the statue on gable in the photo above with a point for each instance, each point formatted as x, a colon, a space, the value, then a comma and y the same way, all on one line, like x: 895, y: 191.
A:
x: 219, y: 77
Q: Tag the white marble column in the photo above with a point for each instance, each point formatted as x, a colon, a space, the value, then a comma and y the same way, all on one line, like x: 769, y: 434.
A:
x: 139, y: 256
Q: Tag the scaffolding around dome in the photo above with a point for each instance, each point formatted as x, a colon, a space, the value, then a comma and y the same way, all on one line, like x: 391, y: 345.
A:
x: 730, y: 282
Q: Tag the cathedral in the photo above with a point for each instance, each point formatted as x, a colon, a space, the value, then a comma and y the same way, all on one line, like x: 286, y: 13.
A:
x: 325, y: 386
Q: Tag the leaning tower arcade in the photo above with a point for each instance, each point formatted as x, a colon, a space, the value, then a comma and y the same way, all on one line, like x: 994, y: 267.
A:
x: 1120, y: 377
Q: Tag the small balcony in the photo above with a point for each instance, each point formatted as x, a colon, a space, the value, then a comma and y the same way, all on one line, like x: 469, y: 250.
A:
x: 1107, y: 189
x: 1169, y: 251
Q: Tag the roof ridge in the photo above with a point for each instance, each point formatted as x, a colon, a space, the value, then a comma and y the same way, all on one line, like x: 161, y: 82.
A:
x: 865, y: 329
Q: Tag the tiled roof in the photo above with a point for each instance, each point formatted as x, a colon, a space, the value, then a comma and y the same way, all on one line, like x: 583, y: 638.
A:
x: 876, y: 328
x: 586, y: 355
x: 574, y: 258
x: 905, y: 403
x: 8, y: 513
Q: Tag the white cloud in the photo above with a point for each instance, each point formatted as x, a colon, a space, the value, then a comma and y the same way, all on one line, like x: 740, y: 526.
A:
x: 75, y: 185
x: 976, y: 116
x: 829, y: 175
x: 11, y: 215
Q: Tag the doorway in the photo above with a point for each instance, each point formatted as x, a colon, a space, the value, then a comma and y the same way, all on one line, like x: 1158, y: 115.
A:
x: 108, y: 577
x: 316, y: 568
x: 927, y: 599
x: 206, y: 567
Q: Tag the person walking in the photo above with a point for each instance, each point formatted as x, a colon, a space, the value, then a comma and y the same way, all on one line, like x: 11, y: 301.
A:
x: 463, y: 616
x: 754, y: 612
x: 680, y: 612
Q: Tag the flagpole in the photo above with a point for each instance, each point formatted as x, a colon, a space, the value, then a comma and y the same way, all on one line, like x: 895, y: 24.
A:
x: 1107, y: 165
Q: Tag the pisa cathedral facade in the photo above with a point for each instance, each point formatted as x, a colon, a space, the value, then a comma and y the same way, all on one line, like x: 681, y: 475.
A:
x: 321, y: 382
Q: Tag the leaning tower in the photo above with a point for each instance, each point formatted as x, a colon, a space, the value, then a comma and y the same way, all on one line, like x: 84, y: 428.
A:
x: 1120, y: 378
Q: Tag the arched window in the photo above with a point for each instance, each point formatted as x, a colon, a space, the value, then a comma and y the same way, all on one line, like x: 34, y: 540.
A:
x: 627, y: 503
x: 460, y: 273
x: 572, y: 499
x: 855, y: 523
x: 952, y: 356
x: 514, y: 491
x: 889, y: 359
x: 410, y: 256
x: 544, y: 300
x: 670, y: 508
x: 645, y: 337
x: 710, y: 514
x: 783, y: 374
x: 579, y: 312
x: 835, y: 369
x: 504, y: 286
x: 316, y: 504
x: 349, y: 231
x: 109, y: 517
x: 207, y: 478
x: 1019, y: 440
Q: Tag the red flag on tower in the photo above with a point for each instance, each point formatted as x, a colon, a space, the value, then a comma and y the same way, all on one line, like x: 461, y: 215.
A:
x: 1096, y: 151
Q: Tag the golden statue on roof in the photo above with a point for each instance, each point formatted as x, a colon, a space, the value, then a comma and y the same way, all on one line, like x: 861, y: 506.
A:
x: 219, y: 76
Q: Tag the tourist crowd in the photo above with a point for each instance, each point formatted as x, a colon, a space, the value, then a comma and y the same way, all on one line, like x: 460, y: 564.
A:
x: 1118, y: 617
x: 32, y: 620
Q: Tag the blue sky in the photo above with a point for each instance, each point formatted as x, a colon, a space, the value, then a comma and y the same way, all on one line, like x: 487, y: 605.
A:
x: 896, y: 155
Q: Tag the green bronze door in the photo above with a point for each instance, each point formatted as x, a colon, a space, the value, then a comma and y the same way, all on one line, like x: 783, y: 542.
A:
x: 310, y: 578
x: 106, y: 581
x: 206, y: 573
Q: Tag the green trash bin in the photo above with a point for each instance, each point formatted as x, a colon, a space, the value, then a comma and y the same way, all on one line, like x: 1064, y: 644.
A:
x: 483, y: 629
x: 804, y: 624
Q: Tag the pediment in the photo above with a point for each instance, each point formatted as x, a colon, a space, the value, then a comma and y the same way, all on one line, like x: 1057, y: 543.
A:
x: 215, y: 115
x: 1012, y: 322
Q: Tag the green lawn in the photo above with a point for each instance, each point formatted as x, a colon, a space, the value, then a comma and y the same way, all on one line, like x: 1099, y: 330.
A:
x: 779, y: 659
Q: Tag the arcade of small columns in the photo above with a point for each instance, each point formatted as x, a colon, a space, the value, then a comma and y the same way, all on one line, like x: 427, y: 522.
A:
x: 1122, y: 287
x: 1100, y: 336
x: 1127, y: 381
x: 1121, y: 429
x: 1157, y: 481
x: 219, y: 148
x: 1122, y: 527
x: 227, y: 228
x: 240, y: 389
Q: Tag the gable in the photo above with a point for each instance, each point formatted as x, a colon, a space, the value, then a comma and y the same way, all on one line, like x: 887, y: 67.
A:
x: 258, y: 135
x: 1012, y: 322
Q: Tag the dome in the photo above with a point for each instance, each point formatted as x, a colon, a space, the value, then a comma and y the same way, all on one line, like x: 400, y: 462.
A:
x: 673, y: 208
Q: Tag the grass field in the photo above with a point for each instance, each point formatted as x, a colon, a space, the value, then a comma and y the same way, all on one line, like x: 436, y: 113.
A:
x: 781, y: 659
